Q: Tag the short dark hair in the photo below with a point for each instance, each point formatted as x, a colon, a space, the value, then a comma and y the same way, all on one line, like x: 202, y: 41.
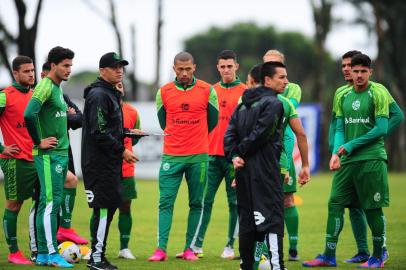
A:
x: 46, y: 66
x: 183, y: 57
x: 20, y: 60
x: 362, y: 60
x: 227, y: 54
x: 58, y: 54
x: 268, y: 69
x: 255, y: 73
x: 350, y: 54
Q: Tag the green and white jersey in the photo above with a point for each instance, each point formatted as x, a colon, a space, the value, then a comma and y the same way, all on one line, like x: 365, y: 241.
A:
x: 289, y: 112
x: 293, y: 92
x: 337, y: 96
x: 52, y: 121
x: 345, y: 88
x: 359, y: 111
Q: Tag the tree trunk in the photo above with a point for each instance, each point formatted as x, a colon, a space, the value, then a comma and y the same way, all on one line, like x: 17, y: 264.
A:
x: 158, y: 46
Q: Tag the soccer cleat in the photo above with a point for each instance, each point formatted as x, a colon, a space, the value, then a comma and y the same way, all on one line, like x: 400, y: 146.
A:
x: 372, y: 262
x: 158, y: 256
x: 293, y: 256
x: 70, y: 234
x: 18, y: 258
x: 189, y: 255
x: 56, y: 260
x: 321, y: 261
x: 103, y: 265
x: 385, y: 254
x: 33, y: 256
x: 198, y: 252
x: 360, y: 257
x: 42, y: 260
x: 228, y: 253
x: 126, y: 254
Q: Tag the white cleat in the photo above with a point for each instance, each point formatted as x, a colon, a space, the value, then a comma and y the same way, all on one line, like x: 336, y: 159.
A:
x: 126, y: 254
x: 228, y: 253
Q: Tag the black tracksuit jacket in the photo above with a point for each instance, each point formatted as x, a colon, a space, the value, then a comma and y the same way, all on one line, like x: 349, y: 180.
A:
x: 254, y: 134
x: 102, y: 145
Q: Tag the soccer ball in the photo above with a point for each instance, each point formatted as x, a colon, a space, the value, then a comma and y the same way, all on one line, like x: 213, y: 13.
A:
x: 85, y: 251
x: 70, y: 252
x: 264, y: 264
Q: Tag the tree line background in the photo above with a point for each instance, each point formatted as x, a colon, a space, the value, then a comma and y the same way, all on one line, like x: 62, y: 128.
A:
x: 309, y: 63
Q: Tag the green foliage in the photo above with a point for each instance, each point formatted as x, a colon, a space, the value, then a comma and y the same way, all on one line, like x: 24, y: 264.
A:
x: 312, y: 213
x: 250, y: 42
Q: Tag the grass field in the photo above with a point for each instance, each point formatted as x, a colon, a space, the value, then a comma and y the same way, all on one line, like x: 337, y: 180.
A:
x: 312, y: 229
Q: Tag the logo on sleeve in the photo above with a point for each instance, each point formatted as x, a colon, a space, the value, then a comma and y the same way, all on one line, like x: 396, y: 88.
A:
x: 356, y: 104
x: 377, y: 197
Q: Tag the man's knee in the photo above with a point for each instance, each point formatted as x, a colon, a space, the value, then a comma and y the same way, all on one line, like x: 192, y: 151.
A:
x: 14, y: 206
x: 288, y: 200
x: 71, y: 180
x: 125, y: 207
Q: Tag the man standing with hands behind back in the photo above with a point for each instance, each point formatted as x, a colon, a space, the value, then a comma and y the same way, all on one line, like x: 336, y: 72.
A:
x: 188, y: 111
x: 103, y: 152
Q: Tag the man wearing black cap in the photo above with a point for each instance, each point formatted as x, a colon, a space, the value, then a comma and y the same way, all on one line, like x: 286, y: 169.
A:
x: 103, y: 151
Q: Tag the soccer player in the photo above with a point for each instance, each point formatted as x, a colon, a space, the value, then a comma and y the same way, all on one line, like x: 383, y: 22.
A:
x: 188, y: 111
x: 293, y: 93
x: 357, y: 215
x: 131, y: 121
x: 290, y: 118
x: 16, y: 158
x: 103, y: 152
x: 45, y: 117
x: 360, y: 158
x: 253, y: 143
x: 229, y: 91
x: 65, y: 231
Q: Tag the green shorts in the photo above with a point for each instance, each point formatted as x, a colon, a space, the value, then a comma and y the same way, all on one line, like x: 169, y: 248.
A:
x: 290, y: 187
x: 129, y: 187
x: 362, y: 184
x: 20, y: 178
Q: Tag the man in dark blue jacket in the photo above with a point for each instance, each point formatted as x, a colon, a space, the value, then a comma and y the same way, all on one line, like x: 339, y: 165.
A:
x: 253, y: 144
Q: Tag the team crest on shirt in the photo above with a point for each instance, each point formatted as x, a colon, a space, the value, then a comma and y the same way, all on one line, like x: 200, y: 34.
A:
x: 58, y: 168
x: 185, y: 106
x: 166, y: 166
x: 356, y: 104
x: 377, y: 197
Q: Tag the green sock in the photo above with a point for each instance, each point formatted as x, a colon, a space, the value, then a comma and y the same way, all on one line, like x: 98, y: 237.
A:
x: 68, y: 202
x: 124, y: 226
x: 359, y: 229
x: 292, y: 226
x: 376, y: 221
x: 10, y: 229
x: 335, y: 223
x: 259, y: 251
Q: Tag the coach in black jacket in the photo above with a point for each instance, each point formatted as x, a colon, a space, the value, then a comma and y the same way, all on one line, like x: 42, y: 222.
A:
x: 103, y: 151
x: 253, y: 143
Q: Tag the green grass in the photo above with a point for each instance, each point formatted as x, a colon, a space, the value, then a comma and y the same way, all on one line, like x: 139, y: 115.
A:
x: 312, y: 228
